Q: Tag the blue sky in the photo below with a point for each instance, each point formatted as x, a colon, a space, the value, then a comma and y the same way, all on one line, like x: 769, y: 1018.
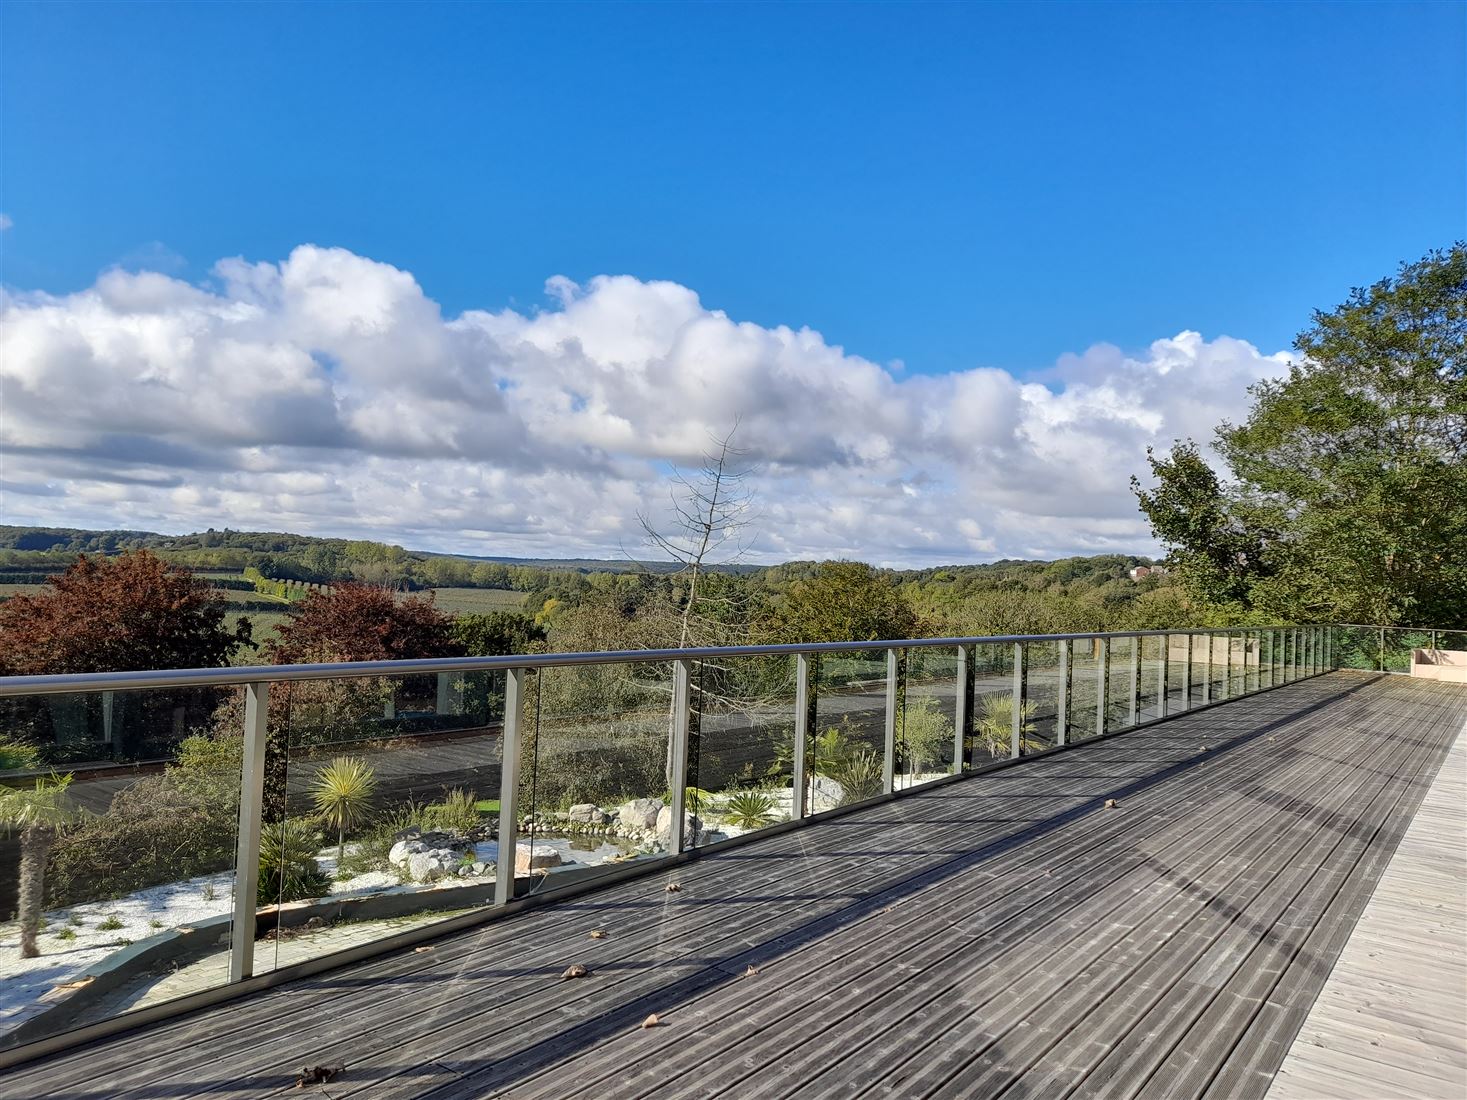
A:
x: 450, y: 275
x: 949, y: 185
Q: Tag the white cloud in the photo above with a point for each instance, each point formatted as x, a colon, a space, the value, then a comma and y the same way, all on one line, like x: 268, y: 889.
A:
x: 328, y: 394
x: 5, y: 222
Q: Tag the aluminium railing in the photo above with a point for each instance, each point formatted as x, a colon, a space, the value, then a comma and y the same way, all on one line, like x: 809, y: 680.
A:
x: 1181, y: 670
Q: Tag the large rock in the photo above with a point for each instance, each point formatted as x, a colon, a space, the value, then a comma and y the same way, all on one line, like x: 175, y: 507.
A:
x: 588, y: 813
x: 529, y: 858
x: 427, y: 857
x: 692, y: 827
x: 639, y: 814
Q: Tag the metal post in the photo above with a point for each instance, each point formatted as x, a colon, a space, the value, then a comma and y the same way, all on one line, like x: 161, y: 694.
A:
x: 1016, y: 737
x: 1227, y: 679
x: 682, y: 674
x: 802, y: 733
x: 247, y: 844
x: 962, y: 708
x: 509, y: 784
x: 1380, y: 660
x: 888, y: 763
x: 1134, y: 675
x: 1102, y: 670
x: 1062, y: 697
x: 1164, y: 676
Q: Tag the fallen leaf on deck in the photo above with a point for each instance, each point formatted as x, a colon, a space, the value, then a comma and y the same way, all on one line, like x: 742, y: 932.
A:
x: 316, y: 1075
x: 420, y: 950
x: 673, y: 888
x: 1111, y: 803
x: 751, y: 971
x: 598, y: 934
x: 651, y: 1021
x: 575, y: 970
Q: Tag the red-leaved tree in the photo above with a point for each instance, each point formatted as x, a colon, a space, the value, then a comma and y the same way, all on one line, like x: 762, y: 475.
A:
x: 118, y: 614
x: 363, y: 622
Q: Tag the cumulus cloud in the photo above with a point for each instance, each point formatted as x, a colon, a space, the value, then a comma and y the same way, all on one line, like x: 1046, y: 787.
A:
x: 328, y: 394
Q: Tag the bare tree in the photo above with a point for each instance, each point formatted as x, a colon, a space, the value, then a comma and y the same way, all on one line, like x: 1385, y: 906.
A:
x: 712, y: 515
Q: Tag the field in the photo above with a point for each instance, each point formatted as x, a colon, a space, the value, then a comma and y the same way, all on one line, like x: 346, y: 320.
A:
x: 477, y: 601
x: 8, y: 590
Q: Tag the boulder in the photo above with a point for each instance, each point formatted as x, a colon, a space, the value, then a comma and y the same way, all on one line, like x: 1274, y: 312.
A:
x: 692, y: 826
x: 528, y: 859
x: 586, y: 813
x: 639, y: 813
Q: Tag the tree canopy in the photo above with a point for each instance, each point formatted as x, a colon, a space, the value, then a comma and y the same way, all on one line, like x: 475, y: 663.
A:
x: 363, y: 622
x: 1348, y: 492
x: 131, y: 612
x: 844, y: 601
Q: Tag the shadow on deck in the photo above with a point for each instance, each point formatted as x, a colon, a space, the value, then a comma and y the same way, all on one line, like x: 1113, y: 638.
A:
x: 1007, y: 935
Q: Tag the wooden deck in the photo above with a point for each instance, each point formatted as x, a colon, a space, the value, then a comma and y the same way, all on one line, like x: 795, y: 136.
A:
x: 1392, y: 1019
x: 1004, y: 936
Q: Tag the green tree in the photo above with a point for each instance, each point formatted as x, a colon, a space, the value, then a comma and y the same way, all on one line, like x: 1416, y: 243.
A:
x: 38, y: 812
x: 925, y: 730
x: 844, y: 601
x: 1348, y: 490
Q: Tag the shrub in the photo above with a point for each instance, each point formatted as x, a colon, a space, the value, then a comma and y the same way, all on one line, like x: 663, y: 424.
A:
x: 17, y: 755
x: 369, y: 853
x: 925, y: 731
x: 109, y: 923
x: 161, y: 829
x: 997, y: 725
x: 750, y: 810
x: 457, y: 813
x: 288, y: 867
x: 859, y: 777
x: 596, y: 760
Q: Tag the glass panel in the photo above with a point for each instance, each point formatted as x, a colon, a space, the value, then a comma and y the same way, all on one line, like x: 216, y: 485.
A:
x: 1177, y: 687
x: 993, y: 690
x: 1153, y: 668
x: 848, y: 737
x: 134, y: 872
x: 595, y: 762
x: 1452, y: 640
x: 1085, y: 671
x: 1357, y: 647
x: 1198, y: 689
x: 1123, y: 677
x: 741, y: 745
x: 1218, y: 676
x: 1238, y: 656
x: 926, y: 715
x: 381, y: 804
x: 1042, y: 693
x: 1398, y: 647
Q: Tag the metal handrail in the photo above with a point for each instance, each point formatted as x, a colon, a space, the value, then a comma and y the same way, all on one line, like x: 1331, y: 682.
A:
x: 260, y: 674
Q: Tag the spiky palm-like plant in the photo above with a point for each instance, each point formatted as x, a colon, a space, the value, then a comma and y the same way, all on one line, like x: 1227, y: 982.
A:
x: 750, y: 810
x: 343, y: 792
x: 997, y: 725
x: 38, y: 812
x: 859, y: 777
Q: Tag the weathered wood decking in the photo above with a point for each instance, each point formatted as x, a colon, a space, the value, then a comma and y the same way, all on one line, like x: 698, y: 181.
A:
x: 1392, y: 1018
x: 1004, y: 936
